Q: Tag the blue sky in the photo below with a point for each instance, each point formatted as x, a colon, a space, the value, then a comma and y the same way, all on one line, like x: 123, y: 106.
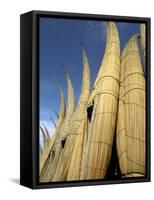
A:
x: 60, y: 44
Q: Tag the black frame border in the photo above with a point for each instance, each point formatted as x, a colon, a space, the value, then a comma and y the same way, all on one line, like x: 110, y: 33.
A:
x: 34, y: 79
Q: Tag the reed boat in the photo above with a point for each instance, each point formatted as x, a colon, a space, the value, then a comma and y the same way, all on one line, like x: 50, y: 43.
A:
x: 48, y: 153
x: 61, y: 138
x: 69, y: 164
x: 130, y: 134
x: 102, y: 110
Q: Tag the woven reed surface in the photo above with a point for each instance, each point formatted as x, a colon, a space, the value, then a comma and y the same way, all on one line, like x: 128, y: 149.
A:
x: 130, y: 136
x: 55, y: 152
x: 70, y: 107
x: 104, y: 96
x: 45, y: 161
x: 69, y: 162
x: 46, y: 150
x: 80, y: 124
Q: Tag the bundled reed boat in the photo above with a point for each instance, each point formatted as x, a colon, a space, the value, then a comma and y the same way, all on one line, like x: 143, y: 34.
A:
x: 59, y: 144
x: 81, y: 128
x: 69, y: 165
x: 130, y: 135
x: 102, y: 110
x: 48, y: 154
x: 48, y: 142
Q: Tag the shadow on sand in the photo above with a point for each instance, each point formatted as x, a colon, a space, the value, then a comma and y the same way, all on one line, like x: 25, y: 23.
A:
x: 15, y: 180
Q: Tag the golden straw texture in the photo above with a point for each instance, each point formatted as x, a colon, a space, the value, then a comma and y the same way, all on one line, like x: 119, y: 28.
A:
x: 48, y: 149
x: 57, y: 150
x: 130, y: 136
x: 102, y: 110
x: 69, y: 164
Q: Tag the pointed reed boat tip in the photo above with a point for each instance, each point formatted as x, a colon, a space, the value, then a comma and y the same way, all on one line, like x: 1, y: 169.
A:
x: 56, y: 114
x: 42, y: 129
x: 46, y: 130
x: 58, y: 85
x: 135, y: 37
x: 43, y: 134
x: 53, y: 122
x: 67, y: 76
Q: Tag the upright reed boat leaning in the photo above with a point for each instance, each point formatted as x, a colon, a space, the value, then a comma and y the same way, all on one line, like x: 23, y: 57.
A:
x: 80, y: 124
x: 69, y: 165
x: 61, y: 138
x: 48, y: 142
x: 48, y: 159
x: 130, y: 135
x: 102, y: 110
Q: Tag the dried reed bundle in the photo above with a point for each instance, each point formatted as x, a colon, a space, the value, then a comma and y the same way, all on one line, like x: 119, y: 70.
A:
x: 130, y: 135
x: 48, y: 142
x: 61, y: 137
x: 48, y: 150
x: 69, y: 164
x: 102, y: 110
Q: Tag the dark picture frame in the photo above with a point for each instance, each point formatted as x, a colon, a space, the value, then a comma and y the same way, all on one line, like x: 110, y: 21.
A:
x: 29, y: 98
